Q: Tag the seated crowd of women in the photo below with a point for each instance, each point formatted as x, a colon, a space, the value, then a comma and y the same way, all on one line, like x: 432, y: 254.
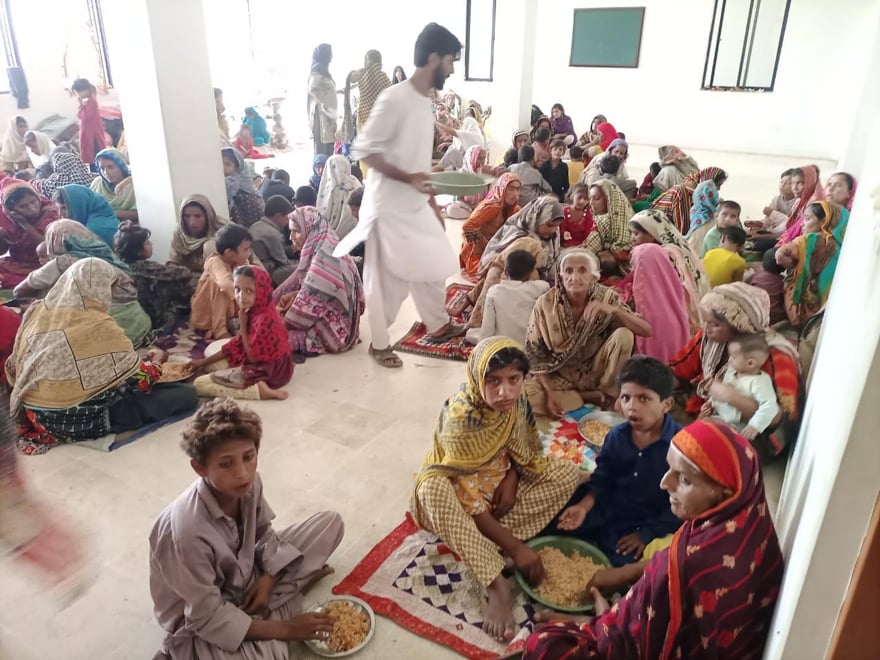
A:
x: 264, y: 286
x: 638, y: 302
x: 649, y: 306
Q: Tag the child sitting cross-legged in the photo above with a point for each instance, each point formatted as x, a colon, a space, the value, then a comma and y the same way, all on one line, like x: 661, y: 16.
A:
x: 259, y: 360
x: 622, y: 508
x: 747, y: 354
x: 164, y: 290
x: 509, y: 305
x: 213, y: 303
x: 224, y: 583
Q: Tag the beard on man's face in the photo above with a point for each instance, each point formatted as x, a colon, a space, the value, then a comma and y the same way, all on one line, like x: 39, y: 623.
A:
x: 439, y: 77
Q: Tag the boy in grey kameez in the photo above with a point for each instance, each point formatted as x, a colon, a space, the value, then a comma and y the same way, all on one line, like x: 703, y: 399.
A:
x: 224, y: 583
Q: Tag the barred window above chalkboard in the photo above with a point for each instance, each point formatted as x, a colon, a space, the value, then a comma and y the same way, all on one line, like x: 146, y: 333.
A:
x: 745, y: 43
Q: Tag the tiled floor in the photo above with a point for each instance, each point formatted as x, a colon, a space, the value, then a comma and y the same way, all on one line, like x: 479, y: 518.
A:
x: 349, y: 438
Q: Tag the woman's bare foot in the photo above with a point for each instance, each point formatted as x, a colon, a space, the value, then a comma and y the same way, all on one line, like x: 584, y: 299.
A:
x: 323, y: 572
x: 498, y: 621
x: 545, y: 616
x: 267, y: 392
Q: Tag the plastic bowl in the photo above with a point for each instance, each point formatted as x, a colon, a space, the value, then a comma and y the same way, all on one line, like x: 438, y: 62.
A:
x: 460, y: 184
x: 568, y: 546
x: 321, y: 649
x: 612, y: 419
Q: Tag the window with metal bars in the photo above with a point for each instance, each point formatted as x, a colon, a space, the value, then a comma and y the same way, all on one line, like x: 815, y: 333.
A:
x: 745, y: 44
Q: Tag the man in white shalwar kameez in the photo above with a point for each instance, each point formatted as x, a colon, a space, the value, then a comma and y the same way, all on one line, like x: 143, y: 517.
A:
x: 407, y: 251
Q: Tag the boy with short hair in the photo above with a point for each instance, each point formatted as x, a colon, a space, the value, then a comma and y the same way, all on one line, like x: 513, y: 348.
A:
x: 747, y: 354
x: 224, y: 583
x: 725, y: 264
x: 555, y: 171
x: 622, y: 507
x: 609, y: 168
x: 575, y: 165
x: 509, y: 305
x: 305, y: 196
x: 268, y: 239
x: 777, y: 212
x: 534, y: 185
x: 213, y: 304
x: 277, y: 183
x: 726, y: 216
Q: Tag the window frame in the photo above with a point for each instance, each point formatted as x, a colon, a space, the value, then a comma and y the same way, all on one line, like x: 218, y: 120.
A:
x: 707, y: 81
x: 467, y: 47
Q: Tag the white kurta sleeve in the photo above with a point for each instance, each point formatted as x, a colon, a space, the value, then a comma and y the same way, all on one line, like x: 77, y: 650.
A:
x: 761, y: 390
x: 380, y: 131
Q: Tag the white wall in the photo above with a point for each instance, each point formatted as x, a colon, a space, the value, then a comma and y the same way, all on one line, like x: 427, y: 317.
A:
x: 808, y: 114
x: 833, y: 476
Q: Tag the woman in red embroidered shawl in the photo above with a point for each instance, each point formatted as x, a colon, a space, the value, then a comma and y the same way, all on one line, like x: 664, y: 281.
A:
x: 711, y: 593
x: 258, y: 360
x: 24, y: 217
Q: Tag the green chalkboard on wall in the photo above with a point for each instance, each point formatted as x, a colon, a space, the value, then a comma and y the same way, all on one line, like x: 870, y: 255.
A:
x: 608, y: 36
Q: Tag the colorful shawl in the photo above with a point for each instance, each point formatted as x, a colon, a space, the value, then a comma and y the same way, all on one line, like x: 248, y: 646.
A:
x: 525, y: 222
x: 554, y: 336
x: 325, y: 286
x: 266, y: 333
x: 660, y: 298
x: 258, y: 126
x: 816, y: 256
x: 687, y: 262
x: 812, y: 192
x: 593, y: 133
x: 121, y: 196
x: 91, y: 209
x: 22, y: 246
x: 69, y: 348
x: 711, y: 594
x: 484, y: 221
x: 66, y: 168
x: 705, y: 204
x: 62, y: 229
x: 337, y: 184
x: 612, y: 227
x: 182, y: 244
x: 470, y: 433
x: 677, y: 201
x: 747, y: 309
x: 14, y: 149
x: 315, y: 179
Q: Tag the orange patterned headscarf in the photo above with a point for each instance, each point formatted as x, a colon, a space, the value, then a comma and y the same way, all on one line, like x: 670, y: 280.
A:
x: 710, y: 449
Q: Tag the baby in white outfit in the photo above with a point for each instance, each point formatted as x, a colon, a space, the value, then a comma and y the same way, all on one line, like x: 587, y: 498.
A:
x: 747, y: 354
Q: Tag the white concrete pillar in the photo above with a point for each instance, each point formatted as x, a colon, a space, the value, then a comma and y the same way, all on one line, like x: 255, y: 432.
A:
x: 158, y: 51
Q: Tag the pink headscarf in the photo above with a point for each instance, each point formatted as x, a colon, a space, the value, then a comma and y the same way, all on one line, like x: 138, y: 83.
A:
x: 660, y: 299
x: 812, y: 192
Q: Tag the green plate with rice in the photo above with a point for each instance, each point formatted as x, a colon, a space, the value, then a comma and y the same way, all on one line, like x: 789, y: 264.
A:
x: 568, y: 546
x: 460, y: 184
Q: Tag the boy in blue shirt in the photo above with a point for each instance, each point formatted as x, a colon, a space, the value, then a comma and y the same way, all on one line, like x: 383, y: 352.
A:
x: 621, y: 509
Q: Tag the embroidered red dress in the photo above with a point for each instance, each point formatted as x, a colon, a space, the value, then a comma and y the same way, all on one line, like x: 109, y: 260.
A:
x: 270, y: 348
